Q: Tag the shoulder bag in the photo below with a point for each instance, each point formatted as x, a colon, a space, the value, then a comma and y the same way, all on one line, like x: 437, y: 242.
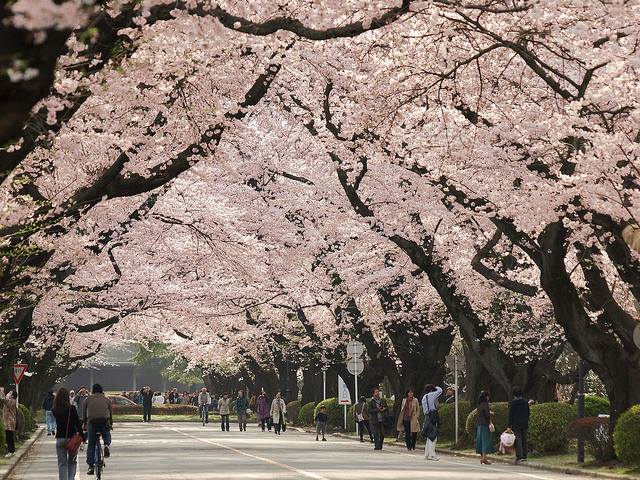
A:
x: 73, y: 444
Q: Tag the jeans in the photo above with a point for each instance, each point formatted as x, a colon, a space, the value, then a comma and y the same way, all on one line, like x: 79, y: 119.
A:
x: 51, y: 421
x: 11, y: 441
x: 94, y: 430
x: 67, y: 463
x: 242, y: 420
x: 321, y: 428
x: 224, y: 422
x: 146, y: 413
x: 522, y: 447
x: 409, y: 438
x: 378, y: 434
x: 362, y: 424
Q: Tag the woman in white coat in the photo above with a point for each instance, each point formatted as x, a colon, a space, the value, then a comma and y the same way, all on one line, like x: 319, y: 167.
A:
x: 278, y: 411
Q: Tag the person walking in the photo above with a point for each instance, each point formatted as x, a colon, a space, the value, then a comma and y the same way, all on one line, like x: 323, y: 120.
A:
x: 204, y: 400
x: 408, y: 419
x: 47, y: 405
x: 10, y: 418
x: 242, y: 405
x: 224, y: 408
x: 483, y: 435
x: 97, y: 418
x: 378, y: 410
x: 361, y: 416
x: 432, y: 419
x: 519, y: 413
x: 146, y: 395
x: 79, y: 399
x: 321, y: 423
x: 278, y: 412
x: 67, y: 425
x: 264, y: 411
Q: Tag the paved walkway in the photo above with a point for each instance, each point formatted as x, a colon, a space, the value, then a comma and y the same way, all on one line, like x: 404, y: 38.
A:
x: 189, y: 451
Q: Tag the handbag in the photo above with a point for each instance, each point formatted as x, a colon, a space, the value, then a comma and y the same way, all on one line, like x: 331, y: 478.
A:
x: 492, y: 427
x: 73, y: 444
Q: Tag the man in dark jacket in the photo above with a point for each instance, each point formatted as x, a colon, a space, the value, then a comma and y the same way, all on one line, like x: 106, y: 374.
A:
x: 47, y: 406
x: 377, y: 411
x: 147, y: 399
x: 519, y: 423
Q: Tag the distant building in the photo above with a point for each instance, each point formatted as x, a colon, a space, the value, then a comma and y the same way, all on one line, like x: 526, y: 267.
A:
x: 115, y: 369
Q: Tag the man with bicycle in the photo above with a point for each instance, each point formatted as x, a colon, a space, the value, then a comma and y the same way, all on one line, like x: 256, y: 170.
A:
x: 97, y: 420
x: 204, y: 399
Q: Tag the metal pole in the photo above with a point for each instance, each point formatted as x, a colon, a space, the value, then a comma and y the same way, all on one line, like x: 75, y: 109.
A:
x: 17, y: 394
x: 455, y: 384
x: 355, y: 400
x: 345, y: 417
x: 324, y: 383
x: 580, y: 408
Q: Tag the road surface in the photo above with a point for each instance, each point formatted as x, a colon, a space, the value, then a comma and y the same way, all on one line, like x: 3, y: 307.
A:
x: 190, y: 451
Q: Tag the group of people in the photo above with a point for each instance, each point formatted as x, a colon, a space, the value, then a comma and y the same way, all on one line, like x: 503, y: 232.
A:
x: 69, y: 414
x: 374, y: 417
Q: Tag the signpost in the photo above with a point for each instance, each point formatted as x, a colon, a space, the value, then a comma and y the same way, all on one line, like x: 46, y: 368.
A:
x: 355, y: 366
x: 344, y: 397
x: 19, y: 369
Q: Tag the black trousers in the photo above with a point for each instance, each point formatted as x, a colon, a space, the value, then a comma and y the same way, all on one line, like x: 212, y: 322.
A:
x: 278, y: 426
x: 522, y: 446
x: 11, y: 441
x: 378, y: 434
x: 146, y: 413
x: 409, y: 438
x: 265, y: 422
x: 362, y: 424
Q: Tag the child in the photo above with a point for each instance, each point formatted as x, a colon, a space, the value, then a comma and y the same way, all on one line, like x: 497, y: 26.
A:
x: 321, y: 423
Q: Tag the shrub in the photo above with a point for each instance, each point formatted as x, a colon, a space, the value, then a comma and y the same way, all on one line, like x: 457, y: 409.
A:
x: 21, y: 427
x: 594, y: 406
x: 500, y: 419
x: 626, y: 435
x: 293, y: 411
x: 29, y: 424
x: 334, y: 410
x: 3, y: 439
x: 595, y: 431
x: 448, y: 419
x: 305, y: 416
x: 548, y: 426
x: 168, y: 409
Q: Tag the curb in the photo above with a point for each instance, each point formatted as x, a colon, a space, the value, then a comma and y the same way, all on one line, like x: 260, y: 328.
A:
x: 21, y: 453
x: 542, y: 466
x: 493, y: 458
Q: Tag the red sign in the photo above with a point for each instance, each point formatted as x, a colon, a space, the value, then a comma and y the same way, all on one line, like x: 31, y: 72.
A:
x: 19, y: 370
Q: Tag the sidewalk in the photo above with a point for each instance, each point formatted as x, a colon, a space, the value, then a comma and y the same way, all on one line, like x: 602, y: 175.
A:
x: 5, y: 470
x: 497, y: 459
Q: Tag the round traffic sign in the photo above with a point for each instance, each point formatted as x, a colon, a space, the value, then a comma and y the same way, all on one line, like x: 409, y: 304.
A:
x: 355, y: 348
x: 355, y: 365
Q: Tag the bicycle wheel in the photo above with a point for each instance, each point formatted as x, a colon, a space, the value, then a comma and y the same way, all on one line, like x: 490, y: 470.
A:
x: 99, y: 462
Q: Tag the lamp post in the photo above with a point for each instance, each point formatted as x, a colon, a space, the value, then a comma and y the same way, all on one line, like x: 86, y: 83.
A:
x: 580, y: 408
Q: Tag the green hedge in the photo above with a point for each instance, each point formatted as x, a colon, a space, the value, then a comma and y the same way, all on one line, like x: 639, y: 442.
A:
x: 626, y: 436
x: 548, y: 426
x: 3, y: 439
x: 305, y: 416
x: 167, y: 409
x: 334, y: 410
x: 448, y: 419
x: 500, y: 419
x: 293, y: 411
x: 594, y: 406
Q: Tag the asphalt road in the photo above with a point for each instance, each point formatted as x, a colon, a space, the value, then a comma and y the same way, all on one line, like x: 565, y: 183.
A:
x: 190, y: 451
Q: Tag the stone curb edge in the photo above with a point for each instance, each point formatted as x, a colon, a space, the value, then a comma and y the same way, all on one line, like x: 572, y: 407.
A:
x: 20, y: 454
x: 532, y: 465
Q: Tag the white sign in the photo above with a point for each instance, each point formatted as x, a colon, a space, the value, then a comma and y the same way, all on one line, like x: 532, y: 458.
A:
x: 355, y: 348
x: 355, y: 365
x: 344, y: 396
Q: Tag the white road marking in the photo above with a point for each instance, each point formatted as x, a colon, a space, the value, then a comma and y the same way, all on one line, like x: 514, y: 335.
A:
x: 305, y: 473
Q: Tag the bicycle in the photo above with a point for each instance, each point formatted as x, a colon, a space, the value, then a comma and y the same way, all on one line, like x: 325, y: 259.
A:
x: 99, y: 464
x: 204, y: 413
